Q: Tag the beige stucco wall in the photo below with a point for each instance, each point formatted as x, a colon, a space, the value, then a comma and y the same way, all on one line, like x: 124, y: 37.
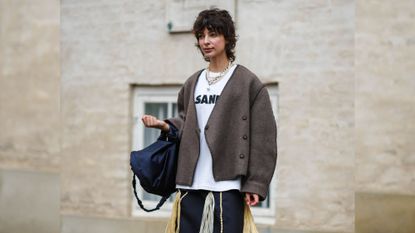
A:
x: 344, y: 73
x: 306, y: 47
x: 30, y: 85
x: 384, y: 113
x: 385, y: 103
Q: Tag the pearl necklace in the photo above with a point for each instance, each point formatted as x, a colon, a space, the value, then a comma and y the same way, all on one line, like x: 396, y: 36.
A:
x: 213, y: 80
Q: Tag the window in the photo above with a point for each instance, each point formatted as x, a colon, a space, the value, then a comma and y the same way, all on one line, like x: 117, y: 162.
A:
x: 161, y: 102
x: 264, y: 212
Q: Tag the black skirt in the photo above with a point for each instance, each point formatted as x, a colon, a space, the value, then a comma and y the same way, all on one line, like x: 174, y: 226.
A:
x: 228, y: 212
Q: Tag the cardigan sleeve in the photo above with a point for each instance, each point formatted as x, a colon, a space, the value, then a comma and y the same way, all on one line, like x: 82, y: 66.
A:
x: 263, y: 146
x: 178, y: 120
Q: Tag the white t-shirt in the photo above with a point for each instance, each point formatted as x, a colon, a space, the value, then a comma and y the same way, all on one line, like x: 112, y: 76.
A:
x: 205, y: 99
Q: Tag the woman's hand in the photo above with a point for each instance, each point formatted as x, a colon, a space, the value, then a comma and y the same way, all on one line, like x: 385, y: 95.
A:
x: 251, y: 199
x: 152, y: 122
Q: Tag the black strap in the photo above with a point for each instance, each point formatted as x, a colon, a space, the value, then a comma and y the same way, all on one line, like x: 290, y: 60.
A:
x: 140, y: 203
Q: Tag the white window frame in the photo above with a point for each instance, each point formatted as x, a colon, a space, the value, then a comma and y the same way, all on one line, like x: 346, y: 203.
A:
x: 264, y: 215
x: 142, y: 95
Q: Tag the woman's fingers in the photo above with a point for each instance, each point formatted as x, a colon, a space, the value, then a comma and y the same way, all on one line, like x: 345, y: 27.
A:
x: 251, y: 199
x: 256, y: 199
x: 247, y: 198
x: 151, y: 121
x: 148, y: 120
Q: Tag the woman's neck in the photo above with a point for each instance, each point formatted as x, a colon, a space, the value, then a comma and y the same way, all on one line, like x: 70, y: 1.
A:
x: 218, y: 64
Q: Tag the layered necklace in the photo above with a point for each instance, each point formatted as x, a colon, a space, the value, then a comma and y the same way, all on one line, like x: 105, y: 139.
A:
x: 214, y: 79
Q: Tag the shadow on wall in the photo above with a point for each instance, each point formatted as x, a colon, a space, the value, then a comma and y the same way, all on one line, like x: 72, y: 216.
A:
x: 384, y: 213
x: 29, y: 202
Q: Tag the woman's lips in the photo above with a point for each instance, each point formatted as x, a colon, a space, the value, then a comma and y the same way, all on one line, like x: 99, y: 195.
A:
x: 207, y: 50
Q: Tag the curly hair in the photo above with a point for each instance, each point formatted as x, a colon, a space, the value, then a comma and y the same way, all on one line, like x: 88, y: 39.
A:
x: 218, y: 21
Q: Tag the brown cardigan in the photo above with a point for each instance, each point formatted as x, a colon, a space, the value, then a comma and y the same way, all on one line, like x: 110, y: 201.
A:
x: 241, y: 133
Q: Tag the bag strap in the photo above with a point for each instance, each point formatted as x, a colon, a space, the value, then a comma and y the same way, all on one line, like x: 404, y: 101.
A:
x: 140, y: 203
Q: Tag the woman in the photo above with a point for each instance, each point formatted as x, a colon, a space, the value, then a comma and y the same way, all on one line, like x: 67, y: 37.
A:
x: 228, y: 147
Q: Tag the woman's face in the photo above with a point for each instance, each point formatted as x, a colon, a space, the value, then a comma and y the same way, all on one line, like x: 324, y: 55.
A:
x: 212, y: 44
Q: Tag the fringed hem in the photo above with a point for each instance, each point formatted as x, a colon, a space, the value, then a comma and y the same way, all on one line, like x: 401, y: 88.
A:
x: 249, y: 224
x: 173, y: 226
x: 206, y: 225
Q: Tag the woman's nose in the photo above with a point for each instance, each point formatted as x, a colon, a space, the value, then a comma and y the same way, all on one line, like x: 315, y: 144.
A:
x: 206, y: 40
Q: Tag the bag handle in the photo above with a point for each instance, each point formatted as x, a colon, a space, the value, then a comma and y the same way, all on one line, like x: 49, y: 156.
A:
x: 140, y: 203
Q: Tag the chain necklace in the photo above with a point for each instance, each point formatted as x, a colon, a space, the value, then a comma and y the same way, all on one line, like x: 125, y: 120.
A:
x: 213, y: 80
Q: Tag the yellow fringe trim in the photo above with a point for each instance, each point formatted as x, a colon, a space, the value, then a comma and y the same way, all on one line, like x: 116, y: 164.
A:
x: 173, y: 226
x: 221, y: 213
x: 249, y: 224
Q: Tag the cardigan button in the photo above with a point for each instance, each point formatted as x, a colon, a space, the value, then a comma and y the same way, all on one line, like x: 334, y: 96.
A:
x: 244, y: 117
x: 245, y: 137
x: 206, y: 127
x: 241, y: 156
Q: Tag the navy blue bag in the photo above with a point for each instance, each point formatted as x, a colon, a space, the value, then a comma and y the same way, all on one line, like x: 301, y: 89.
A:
x: 156, y: 166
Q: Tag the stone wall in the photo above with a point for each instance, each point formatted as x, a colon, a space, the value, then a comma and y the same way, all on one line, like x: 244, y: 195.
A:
x: 308, y: 46
x: 344, y: 73
x: 108, y: 46
x: 384, y: 113
x: 385, y: 103
x: 30, y: 85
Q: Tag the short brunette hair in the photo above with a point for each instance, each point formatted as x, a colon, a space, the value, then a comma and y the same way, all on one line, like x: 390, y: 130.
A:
x: 219, y: 21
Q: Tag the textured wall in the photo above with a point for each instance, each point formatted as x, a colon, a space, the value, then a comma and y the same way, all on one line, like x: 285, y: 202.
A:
x: 384, y: 213
x: 307, y: 47
x: 385, y: 103
x: 29, y: 85
x: 29, y: 202
x: 106, y: 46
x: 385, y: 113
x: 345, y: 82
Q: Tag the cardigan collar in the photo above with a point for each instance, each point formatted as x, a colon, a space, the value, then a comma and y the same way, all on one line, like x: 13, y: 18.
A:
x: 225, y: 92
